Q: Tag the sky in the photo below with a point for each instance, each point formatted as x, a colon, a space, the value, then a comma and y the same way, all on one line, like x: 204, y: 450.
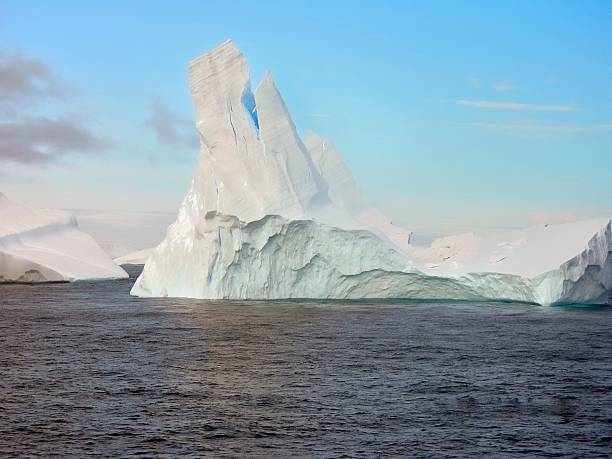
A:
x: 451, y: 115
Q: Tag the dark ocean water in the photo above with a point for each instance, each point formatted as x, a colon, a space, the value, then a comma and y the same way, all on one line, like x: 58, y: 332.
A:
x: 85, y: 369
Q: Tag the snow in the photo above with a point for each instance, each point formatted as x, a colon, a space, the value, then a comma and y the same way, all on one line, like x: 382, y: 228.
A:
x: 269, y: 216
x: 525, y: 252
x: 564, y: 263
x: 45, y: 245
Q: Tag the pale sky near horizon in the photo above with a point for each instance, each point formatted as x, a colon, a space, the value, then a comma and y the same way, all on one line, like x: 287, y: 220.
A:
x: 451, y: 115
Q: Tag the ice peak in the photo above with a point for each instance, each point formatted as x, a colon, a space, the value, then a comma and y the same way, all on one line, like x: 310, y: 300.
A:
x: 227, y: 48
x: 227, y: 43
x: 267, y: 85
x: 268, y: 78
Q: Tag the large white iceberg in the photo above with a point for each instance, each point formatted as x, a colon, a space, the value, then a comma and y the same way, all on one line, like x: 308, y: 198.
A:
x: 269, y: 216
x: 47, y: 246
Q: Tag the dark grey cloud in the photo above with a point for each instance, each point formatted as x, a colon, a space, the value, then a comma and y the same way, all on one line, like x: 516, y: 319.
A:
x: 23, y: 77
x: 44, y: 140
x: 29, y: 139
x: 170, y: 128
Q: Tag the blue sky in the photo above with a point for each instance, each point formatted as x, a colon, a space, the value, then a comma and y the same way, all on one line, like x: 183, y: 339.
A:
x: 448, y: 113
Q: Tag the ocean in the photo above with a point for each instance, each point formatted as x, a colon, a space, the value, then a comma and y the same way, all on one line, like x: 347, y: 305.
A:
x: 86, y: 369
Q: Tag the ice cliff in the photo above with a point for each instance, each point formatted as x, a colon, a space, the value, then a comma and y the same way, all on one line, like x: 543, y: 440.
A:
x: 273, y: 257
x: 45, y: 246
x: 269, y: 216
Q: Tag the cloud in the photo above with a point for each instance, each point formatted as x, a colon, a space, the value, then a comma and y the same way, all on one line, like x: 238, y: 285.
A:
x: 495, y: 105
x: 475, y: 82
x: 536, y: 129
x: 170, y: 128
x: 28, y: 139
x: 538, y: 216
x: 503, y: 86
x: 42, y: 140
x: 23, y: 77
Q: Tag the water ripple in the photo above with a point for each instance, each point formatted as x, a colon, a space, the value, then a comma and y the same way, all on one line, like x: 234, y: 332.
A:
x: 88, y: 370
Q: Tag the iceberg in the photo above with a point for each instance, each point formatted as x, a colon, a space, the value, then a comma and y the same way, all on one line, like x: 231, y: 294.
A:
x: 138, y: 257
x: 276, y: 258
x: 47, y: 246
x: 270, y: 216
x: 562, y: 263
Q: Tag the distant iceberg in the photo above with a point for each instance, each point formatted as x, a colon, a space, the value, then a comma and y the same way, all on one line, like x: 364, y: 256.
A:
x: 134, y: 258
x: 47, y: 246
x: 269, y: 216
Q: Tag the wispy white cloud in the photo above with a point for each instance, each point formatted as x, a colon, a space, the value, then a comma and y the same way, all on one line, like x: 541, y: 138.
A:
x: 497, y: 105
x: 474, y: 82
x: 503, y: 86
x: 537, y: 129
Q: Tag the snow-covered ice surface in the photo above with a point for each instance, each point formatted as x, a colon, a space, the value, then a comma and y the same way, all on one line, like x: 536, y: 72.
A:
x: 46, y: 246
x: 570, y: 262
x: 269, y: 216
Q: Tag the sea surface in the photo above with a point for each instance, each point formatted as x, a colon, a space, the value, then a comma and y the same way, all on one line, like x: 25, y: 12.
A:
x: 85, y: 369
